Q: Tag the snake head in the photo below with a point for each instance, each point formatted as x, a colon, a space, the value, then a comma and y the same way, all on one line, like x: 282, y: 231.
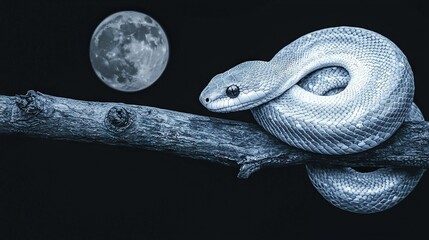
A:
x: 242, y: 87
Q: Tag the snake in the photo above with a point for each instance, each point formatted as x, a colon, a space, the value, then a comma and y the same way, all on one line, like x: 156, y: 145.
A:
x: 337, y: 91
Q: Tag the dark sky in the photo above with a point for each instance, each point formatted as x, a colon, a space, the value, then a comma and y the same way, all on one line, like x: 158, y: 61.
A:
x: 66, y: 190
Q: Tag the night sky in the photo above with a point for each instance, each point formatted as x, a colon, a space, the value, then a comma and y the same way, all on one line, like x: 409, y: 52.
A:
x: 67, y: 190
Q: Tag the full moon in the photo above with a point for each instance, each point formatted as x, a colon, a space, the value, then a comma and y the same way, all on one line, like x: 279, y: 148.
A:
x: 129, y: 51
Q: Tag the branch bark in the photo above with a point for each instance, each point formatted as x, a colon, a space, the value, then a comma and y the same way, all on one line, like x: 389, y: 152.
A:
x: 228, y: 142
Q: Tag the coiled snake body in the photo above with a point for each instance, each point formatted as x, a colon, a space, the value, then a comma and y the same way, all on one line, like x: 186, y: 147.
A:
x: 338, y: 90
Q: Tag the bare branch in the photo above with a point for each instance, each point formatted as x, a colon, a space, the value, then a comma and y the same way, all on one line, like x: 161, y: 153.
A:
x: 225, y: 141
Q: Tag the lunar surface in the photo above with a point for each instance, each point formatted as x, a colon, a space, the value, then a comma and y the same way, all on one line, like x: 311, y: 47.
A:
x: 129, y: 51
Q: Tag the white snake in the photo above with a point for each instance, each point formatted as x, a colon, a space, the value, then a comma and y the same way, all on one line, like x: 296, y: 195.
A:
x: 338, y: 90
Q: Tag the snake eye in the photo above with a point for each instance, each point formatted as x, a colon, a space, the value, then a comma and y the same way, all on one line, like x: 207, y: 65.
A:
x: 233, y: 91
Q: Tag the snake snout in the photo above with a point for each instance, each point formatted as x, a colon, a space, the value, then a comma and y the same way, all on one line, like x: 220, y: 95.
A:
x: 213, y: 101
x: 205, y: 99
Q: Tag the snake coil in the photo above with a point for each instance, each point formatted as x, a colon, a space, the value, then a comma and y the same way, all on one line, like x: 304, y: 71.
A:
x: 338, y: 90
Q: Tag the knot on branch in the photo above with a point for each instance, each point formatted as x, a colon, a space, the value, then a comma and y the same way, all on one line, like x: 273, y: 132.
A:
x: 118, y: 119
x: 30, y: 103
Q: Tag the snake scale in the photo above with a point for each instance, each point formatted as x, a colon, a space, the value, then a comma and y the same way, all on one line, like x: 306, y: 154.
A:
x: 338, y: 90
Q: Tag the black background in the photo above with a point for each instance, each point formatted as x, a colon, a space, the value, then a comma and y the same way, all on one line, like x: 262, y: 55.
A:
x: 66, y: 190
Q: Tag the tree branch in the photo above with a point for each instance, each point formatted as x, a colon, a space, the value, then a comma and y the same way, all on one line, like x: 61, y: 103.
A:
x: 214, y: 139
